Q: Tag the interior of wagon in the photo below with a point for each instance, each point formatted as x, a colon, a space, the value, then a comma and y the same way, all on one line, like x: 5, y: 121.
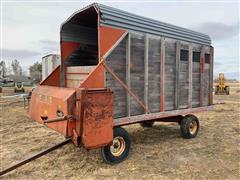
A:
x: 81, y: 29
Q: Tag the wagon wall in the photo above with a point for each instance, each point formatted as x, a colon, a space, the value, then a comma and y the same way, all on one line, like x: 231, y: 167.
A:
x: 165, y: 74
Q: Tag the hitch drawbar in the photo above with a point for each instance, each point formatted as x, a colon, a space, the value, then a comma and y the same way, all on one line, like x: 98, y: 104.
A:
x: 7, y: 170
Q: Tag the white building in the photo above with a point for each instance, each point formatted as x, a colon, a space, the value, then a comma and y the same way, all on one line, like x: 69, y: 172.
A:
x: 49, y: 63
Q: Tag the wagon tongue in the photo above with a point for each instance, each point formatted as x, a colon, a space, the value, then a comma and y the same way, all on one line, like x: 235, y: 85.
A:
x: 52, y: 103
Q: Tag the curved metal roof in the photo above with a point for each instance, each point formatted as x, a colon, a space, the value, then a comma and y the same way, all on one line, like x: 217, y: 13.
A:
x: 125, y: 20
x: 129, y: 21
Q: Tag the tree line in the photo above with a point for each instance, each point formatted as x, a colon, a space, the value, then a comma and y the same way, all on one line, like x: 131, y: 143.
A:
x: 35, y: 70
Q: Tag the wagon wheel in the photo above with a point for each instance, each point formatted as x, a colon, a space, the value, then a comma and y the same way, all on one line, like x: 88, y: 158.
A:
x: 118, y: 151
x: 147, y: 124
x: 189, y: 126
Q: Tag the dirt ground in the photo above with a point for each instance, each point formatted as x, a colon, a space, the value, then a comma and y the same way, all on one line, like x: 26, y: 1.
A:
x: 156, y: 153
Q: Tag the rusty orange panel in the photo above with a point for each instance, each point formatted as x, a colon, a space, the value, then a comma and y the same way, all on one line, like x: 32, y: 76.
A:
x: 67, y: 48
x: 108, y: 37
x: 47, y: 100
x: 97, y: 118
x: 95, y: 79
x: 53, y: 78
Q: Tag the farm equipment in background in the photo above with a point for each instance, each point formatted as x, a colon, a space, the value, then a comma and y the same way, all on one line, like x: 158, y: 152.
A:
x: 221, y: 88
x: 19, y: 87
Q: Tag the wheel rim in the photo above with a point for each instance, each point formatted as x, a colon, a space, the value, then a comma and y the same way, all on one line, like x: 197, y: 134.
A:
x: 118, y: 146
x: 193, y: 127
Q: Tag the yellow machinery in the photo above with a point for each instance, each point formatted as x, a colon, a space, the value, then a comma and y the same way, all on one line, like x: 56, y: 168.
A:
x: 221, y: 88
x: 19, y: 87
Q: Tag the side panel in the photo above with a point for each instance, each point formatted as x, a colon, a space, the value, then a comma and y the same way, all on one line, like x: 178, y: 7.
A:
x: 170, y: 74
x: 47, y: 100
x: 117, y: 62
x: 183, y: 76
x: 196, y: 76
x: 97, y: 118
x: 206, y: 77
x: 137, y: 72
x: 154, y: 74
x: 178, y: 78
x: 95, y: 79
x: 108, y: 37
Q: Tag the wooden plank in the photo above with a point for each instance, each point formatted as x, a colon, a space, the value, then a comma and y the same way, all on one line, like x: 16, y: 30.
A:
x: 162, y: 72
x: 128, y: 65
x: 146, y: 71
x: 190, y: 76
x: 177, y: 74
x: 211, y: 76
x: 202, y: 62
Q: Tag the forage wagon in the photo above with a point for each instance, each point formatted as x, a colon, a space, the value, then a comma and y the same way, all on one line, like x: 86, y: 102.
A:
x: 118, y: 68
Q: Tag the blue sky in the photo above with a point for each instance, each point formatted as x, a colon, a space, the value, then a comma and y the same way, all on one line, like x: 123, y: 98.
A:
x: 31, y: 29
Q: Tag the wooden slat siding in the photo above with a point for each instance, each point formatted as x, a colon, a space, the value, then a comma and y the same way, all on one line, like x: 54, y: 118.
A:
x: 137, y: 72
x: 190, y: 76
x: 177, y: 88
x: 162, y: 73
x: 206, y: 84
x: 202, y: 64
x: 154, y: 74
x: 146, y: 71
x: 196, y: 78
x: 206, y: 77
x: 211, y: 75
x: 183, y: 78
x: 117, y: 62
x: 128, y: 66
x: 170, y: 74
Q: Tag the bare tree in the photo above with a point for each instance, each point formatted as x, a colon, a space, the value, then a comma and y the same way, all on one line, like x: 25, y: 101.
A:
x: 3, y: 68
x: 36, y: 72
x: 16, y: 67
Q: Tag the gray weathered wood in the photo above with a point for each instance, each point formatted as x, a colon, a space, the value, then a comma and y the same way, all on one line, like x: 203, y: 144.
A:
x: 177, y: 74
x: 137, y: 72
x: 190, y: 76
x: 128, y: 65
x: 202, y: 72
x: 146, y: 71
x: 162, y: 73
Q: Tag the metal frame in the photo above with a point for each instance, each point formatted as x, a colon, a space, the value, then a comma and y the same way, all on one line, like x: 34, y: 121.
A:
x: 157, y: 116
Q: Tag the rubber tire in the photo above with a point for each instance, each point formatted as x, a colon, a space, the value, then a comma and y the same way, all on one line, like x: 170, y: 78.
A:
x: 106, y: 154
x: 185, y: 126
x: 147, y: 124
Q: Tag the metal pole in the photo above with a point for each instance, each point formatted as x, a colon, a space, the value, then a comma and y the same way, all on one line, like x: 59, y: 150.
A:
x: 5, y: 171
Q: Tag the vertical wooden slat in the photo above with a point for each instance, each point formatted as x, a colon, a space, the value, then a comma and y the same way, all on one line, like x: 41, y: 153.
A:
x: 190, y: 76
x: 146, y: 71
x: 202, y: 63
x: 162, y: 73
x: 211, y: 76
x: 128, y: 66
x: 177, y: 75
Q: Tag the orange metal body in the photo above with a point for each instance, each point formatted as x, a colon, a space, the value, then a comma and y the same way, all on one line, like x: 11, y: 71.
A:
x: 47, y: 100
x: 95, y: 79
x: 53, y: 79
x: 108, y: 37
x: 67, y: 48
x: 97, y: 118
